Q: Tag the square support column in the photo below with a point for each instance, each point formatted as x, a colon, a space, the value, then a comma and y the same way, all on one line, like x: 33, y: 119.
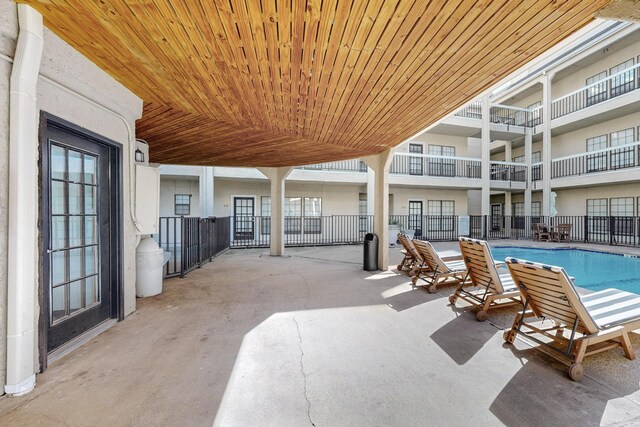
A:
x: 206, y: 192
x: 486, y: 157
x: 277, y: 176
x: 528, y: 142
x: 380, y: 164
x: 546, y: 144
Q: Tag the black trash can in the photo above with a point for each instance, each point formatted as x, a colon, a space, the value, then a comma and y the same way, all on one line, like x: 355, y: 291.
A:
x: 370, y: 261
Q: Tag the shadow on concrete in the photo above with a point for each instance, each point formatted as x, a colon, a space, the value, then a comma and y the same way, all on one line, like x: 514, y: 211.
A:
x: 542, y: 394
x: 462, y: 337
x: 409, y: 299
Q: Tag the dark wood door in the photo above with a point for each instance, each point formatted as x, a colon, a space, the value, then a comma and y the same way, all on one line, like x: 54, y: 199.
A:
x: 80, y: 229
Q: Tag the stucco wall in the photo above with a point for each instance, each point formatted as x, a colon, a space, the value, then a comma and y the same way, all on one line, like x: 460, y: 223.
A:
x: 170, y: 186
x: 402, y: 196
x: 8, y: 35
x: 576, y: 141
x: 574, y: 201
x: 426, y: 139
x: 86, y: 84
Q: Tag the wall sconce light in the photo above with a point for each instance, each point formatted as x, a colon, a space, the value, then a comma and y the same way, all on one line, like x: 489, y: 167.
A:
x: 139, y: 156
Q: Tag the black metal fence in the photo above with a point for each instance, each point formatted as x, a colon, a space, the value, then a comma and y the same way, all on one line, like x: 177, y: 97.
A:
x: 254, y: 231
x: 192, y: 241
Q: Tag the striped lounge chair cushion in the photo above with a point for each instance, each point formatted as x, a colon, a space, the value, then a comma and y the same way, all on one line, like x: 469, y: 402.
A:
x: 612, y: 307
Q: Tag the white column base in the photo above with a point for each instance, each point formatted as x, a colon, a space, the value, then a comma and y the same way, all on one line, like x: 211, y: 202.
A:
x: 21, y: 389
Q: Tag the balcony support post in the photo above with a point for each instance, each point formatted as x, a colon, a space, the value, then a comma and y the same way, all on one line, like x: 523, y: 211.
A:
x: 546, y: 143
x: 371, y: 191
x: 277, y: 176
x: 486, y: 157
x: 380, y: 164
x: 528, y: 155
x: 206, y: 192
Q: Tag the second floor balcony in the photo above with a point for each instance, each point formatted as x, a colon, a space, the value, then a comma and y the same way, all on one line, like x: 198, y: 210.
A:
x: 622, y: 157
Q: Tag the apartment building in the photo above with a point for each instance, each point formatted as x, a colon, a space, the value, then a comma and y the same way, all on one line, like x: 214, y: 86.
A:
x: 560, y: 139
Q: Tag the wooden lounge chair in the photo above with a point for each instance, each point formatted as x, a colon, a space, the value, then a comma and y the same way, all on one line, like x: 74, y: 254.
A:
x: 563, y: 233
x: 411, y: 257
x: 491, y: 288
x: 434, y: 271
x: 541, y: 232
x: 573, y: 326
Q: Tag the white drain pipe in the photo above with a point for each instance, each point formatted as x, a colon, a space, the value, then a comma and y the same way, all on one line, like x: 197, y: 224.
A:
x: 23, y: 205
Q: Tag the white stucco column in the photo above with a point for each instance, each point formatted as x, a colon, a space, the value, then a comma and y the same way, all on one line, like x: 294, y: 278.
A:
x: 528, y: 142
x: 486, y: 157
x: 371, y: 191
x: 206, y: 192
x: 546, y: 143
x: 23, y: 253
x: 277, y: 176
x: 380, y: 164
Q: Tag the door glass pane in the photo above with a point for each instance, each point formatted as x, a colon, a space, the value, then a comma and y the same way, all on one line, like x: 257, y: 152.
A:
x: 75, y: 166
x: 75, y: 296
x: 91, y: 292
x: 58, y: 235
x: 91, y: 259
x: 89, y: 169
x: 58, y: 205
x: 75, y: 199
x: 75, y: 231
x: 75, y: 264
x: 57, y: 303
x: 90, y: 230
x: 58, y: 267
x: 89, y: 200
x: 58, y: 162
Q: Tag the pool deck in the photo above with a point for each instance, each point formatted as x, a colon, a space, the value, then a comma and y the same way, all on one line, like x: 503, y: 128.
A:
x: 312, y: 339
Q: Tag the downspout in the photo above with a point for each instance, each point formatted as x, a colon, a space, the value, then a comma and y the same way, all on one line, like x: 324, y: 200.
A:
x: 23, y: 204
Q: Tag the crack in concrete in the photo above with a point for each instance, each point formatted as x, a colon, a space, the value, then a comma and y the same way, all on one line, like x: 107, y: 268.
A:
x: 304, y: 375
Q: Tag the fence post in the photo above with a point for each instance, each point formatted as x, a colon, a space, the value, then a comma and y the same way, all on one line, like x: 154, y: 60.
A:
x: 184, y: 244
x: 586, y: 229
x: 611, y: 225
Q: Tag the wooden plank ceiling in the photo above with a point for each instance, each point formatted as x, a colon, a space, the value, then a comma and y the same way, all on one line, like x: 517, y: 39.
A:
x: 280, y: 83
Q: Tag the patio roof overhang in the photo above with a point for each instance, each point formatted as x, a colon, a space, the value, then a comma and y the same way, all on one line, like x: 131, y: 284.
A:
x: 281, y: 83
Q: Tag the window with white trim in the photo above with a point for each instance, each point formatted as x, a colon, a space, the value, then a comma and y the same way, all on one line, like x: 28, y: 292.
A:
x: 363, y: 220
x: 625, y: 82
x: 597, y: 213
x: 440, y: 215
x: 598, y: 92
x: 182, y: 204
x: 312, y: 215
x: 621, y: 157
x: 597, y: 162
x: 442, y: 167
x: 621, y: 209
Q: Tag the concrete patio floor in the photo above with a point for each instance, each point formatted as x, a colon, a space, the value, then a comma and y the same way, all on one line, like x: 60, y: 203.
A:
x: 312, y: 339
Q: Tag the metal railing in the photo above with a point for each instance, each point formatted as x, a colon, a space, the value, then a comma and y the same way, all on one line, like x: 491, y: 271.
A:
x: 191, y: 241
x: 607, y: 159
x: 508, y: 171
x: 404, y: 163
x: 536, y: 171
x: 254, y: 231
x: 504, y: 114
x: 354, y: 165
x: 615, y: 85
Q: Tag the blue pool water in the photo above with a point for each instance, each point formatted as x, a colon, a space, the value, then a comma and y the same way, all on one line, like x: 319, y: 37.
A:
x: 593, y: 270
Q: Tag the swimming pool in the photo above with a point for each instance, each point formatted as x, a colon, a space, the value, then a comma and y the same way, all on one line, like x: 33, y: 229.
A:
x: 593, y: 270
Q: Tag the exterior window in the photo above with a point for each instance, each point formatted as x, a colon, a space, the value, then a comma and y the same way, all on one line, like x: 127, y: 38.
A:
x: 292, y: 215
x: 415, y: 216
x: 517, y: 210
x: 534, y: 118
x: 597, y: 162
x: 265, y: 210
x: 536, y: 171
x: 622, y: 211
x: 519, y: 159
x: 442, y: 167
x: 624, y: 82
x: 598, y: 92
x: 536, y: 210
x: 440, y: 215
x: 313, y: 215
x: 597, y: 211
x: 182, y: 204
x: 363, y: 220
x: 622, y: 157
x: 415, y: 162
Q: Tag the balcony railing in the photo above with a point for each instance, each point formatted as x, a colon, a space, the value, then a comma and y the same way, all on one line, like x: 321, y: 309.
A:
x: 504, y: 114
x: 436, y: 166
x: 508, y: 171
x: 354, y: 165
x: 607, y: 159
x: 536, y: 172
x: 615, y: 85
